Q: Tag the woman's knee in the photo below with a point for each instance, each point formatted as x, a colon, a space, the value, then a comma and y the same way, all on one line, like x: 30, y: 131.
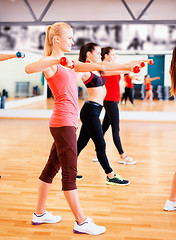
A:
x: 101, y: 147
x: 69, y: 179
x: 69, y: 169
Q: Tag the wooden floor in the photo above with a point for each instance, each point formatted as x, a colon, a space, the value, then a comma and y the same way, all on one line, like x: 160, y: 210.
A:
x: 133, y: 212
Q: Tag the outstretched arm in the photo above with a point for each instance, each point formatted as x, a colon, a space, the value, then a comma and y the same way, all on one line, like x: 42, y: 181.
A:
x: 107, y: 66
x: 41, y: 64
x: 4, y: 57
x: 155, y: 78
x: 129, y: 65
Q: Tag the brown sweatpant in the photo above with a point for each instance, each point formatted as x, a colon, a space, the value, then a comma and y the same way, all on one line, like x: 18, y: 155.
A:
x: 63, y: 155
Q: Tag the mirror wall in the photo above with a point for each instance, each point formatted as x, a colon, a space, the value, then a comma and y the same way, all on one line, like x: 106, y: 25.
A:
x: 131, y: 41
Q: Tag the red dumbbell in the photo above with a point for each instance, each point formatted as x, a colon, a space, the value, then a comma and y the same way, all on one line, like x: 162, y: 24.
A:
x: 142, y: 64
x: 151, y: 62
x: 136, y: 69
x: 63, y: 61
x: 73, y: 65
x: 87, y: 61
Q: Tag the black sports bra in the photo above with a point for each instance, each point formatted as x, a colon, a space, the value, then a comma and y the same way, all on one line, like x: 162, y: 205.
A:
x: 94, y: 81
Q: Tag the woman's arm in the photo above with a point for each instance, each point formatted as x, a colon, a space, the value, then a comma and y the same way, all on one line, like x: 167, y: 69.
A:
x: 102, y: 66
x: 4, y: 57
x: 41, y: 65
x: 130, y: 65
x: 108, y: 66
x: 155, y: 78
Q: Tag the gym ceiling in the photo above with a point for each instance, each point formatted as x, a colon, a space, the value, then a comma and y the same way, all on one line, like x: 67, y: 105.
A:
x: 44, y: 12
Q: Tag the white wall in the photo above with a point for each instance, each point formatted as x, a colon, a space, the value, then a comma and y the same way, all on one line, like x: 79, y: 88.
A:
x: 12, y: 71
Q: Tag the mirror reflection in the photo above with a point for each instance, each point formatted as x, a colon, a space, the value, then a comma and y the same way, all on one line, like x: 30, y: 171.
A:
x: 132, y: 42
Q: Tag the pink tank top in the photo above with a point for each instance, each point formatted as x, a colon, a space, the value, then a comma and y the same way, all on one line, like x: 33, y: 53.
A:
x: 64, y: 89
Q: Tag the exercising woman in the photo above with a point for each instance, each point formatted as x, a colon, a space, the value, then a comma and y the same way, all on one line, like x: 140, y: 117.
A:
x: 90, y: 112
x: 128, y: 89
x: 170, y: 204
x: 63, y: 124
x: 148, y: 88
x: 111, y: 102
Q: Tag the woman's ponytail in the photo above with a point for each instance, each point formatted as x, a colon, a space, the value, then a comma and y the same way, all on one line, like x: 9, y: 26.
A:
x: 56, y: 29
x: 173, y: 73
x: 89, y: 47
x: 47, y: 46
x: 82, y: 54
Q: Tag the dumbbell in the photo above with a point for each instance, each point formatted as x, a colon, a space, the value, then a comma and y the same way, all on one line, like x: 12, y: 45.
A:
x: 142, y: 64
x: 64, y: 62
x: 151, y: 62
x: 19, y: 55
x: 136, y: 69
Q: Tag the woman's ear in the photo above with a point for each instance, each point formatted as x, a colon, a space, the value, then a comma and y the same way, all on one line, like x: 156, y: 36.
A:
x: 56, y: 39
x: 88, y: 54
x: 106, y: 56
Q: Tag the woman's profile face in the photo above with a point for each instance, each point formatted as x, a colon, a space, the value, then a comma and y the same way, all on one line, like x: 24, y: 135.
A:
x: 111, y: 57
x: 66, y: 40
x: 95, y: 55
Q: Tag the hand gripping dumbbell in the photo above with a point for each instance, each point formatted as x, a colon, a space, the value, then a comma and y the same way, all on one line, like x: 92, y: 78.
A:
x: 64, y: 62
x: 136, y: 69
x: 19, y: 55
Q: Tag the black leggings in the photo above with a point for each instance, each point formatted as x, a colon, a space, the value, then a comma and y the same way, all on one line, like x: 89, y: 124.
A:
x: 128, y: 93
x: 112, y: 118
x: 91, y: 128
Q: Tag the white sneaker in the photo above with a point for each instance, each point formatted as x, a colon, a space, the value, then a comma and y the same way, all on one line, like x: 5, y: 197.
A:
x: 145, y: 103
x: 95, y: 159
x: 89, y: 227
x: 45, y: 218
x: 169, y: 206
x: 152, y: 103
x: 127, y: 160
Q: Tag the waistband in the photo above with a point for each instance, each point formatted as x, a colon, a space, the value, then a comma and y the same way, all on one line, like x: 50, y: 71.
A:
x: 94, y: 103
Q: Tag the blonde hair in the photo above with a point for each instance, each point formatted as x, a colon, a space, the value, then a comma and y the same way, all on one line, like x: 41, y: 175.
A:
x: 173, y: 73
x: 56, y: 29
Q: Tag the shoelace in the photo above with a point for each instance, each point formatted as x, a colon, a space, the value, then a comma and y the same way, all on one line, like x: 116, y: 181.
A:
x: 118, y: 176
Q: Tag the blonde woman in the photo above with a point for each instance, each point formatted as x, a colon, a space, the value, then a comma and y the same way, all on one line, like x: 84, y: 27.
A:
x: 63, y: 124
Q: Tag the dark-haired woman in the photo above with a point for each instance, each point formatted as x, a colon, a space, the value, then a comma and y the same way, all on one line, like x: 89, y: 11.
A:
x: 90, y: 112
x: 148, y: 88
x: 111, y: 102
x: 170, y: 204
x: 128, y: 89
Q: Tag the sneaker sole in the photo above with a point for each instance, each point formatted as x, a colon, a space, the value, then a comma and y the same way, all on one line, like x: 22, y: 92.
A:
x: 94, y: 160
x: 78, y: 179
x: 36, y: 223
x: 130, y: 163
x: 77, y: 232
x: 39, y: 223
x: 169, y: 210
x: 110, y: 183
